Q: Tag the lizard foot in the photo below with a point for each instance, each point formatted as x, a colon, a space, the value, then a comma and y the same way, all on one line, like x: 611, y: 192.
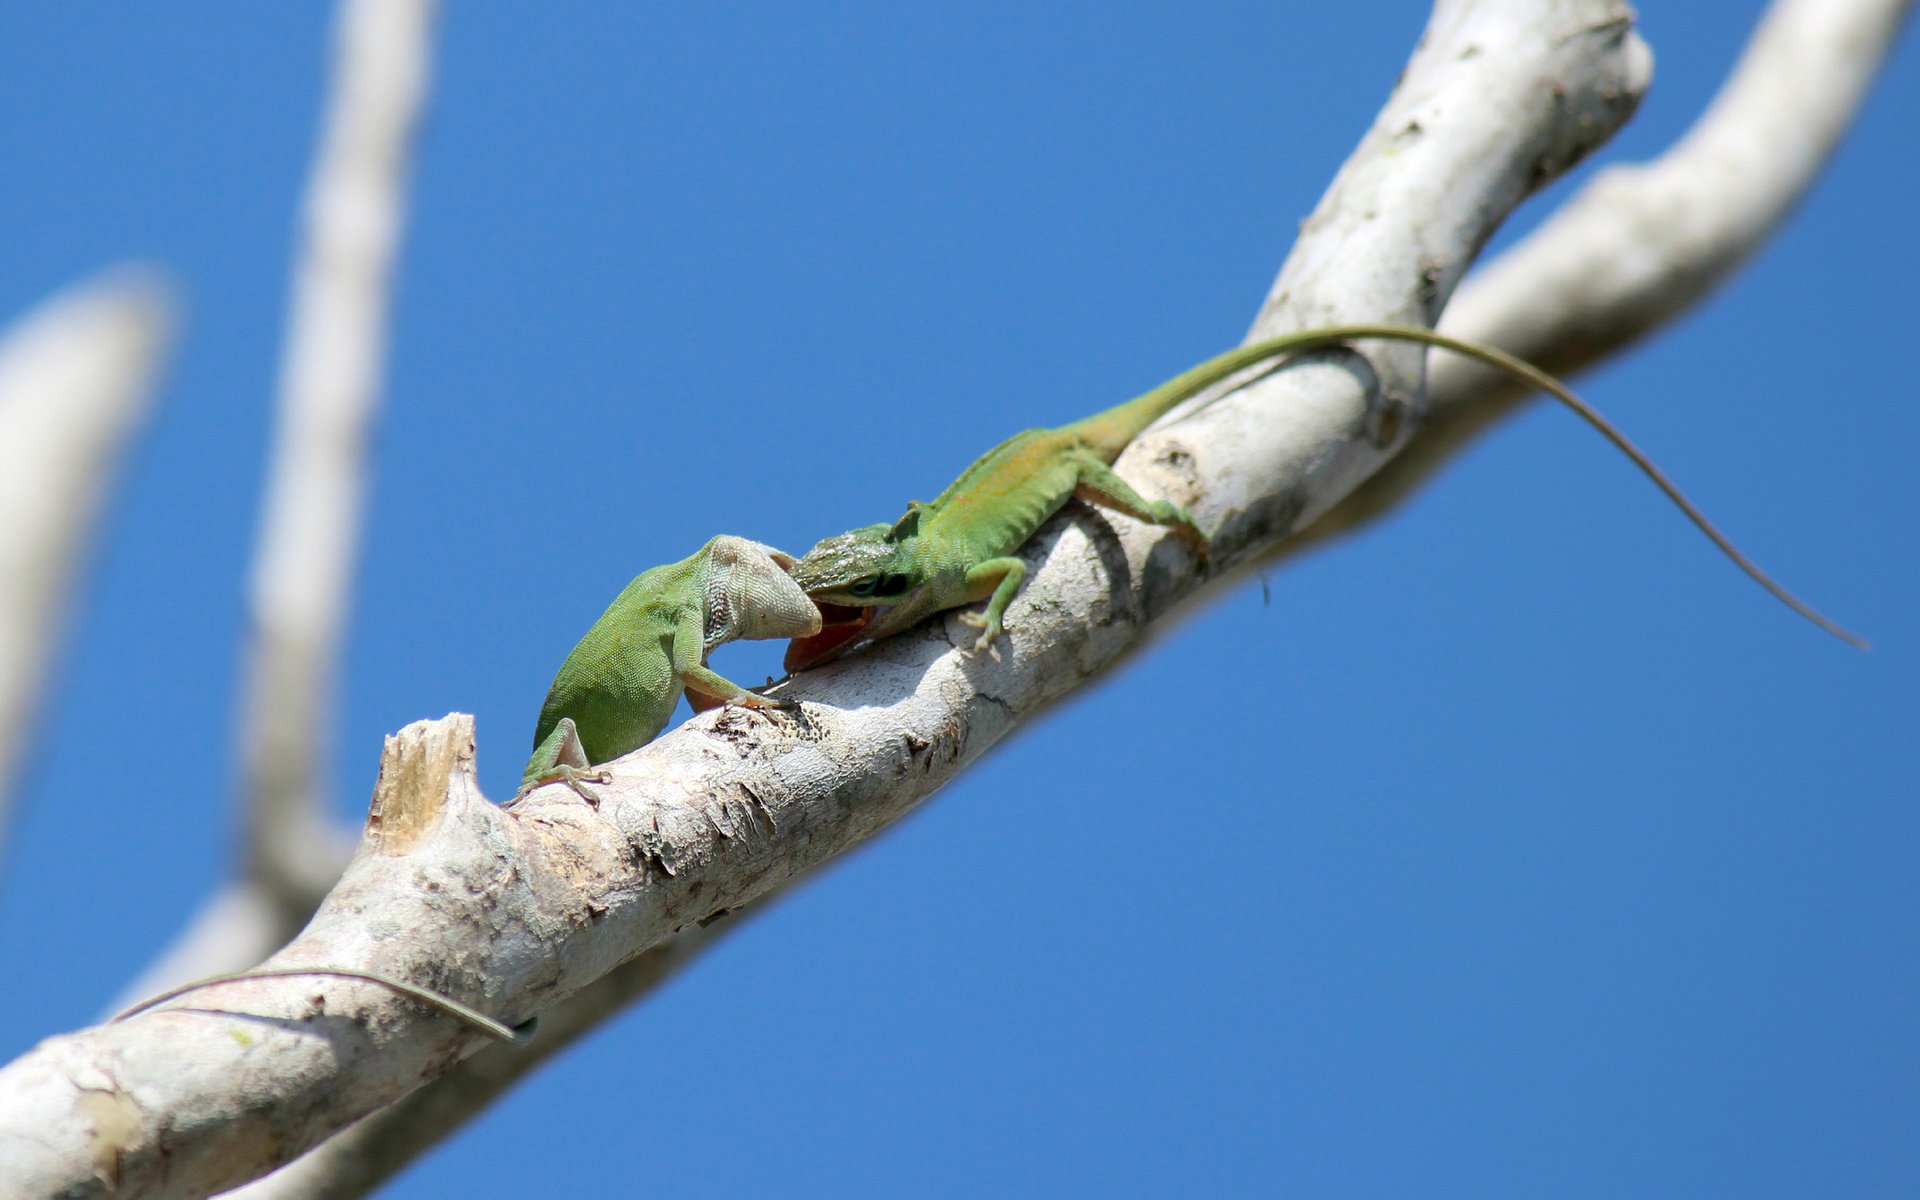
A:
x: 756, y: 700
x: 990, y: 636
x: 578, y: 780
x: 1195, y: 540
x: 744, y: 699
x: 753, y: 701
x: 1202, y: 549
x: 573, y: 777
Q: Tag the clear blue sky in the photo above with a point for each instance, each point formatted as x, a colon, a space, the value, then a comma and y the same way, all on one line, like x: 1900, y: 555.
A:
x: 1552, y: 858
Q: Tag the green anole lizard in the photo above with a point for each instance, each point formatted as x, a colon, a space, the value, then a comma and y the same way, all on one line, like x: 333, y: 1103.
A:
x: 617, y: 688
x: 963, y: 546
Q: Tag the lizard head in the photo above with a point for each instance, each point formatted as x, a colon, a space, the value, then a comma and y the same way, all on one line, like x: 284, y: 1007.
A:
x: 860, y: 568
x: 749, y: 594
x: 854, y: 575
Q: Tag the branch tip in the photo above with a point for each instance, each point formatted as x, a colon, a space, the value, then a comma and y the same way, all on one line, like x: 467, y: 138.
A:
x: 418, y: 768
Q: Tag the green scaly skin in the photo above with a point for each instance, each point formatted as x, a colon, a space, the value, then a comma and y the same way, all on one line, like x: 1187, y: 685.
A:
x: 962, y: 547
x: 618, y: 687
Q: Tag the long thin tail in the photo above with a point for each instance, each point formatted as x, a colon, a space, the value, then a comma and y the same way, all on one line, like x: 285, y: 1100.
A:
x: 1109, y: 430
x: 1143, y: 411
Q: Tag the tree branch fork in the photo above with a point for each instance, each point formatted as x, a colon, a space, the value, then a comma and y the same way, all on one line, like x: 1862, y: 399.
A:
x: 512, y: 909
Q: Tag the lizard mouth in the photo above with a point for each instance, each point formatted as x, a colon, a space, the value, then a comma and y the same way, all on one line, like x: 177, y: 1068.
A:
x: 839, y: 625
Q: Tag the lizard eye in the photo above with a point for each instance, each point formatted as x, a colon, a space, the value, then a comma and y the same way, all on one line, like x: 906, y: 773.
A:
x: 881, y: 586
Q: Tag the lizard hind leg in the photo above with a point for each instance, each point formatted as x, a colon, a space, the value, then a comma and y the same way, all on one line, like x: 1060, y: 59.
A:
x: 1100, y: 485
x: 561, y: 758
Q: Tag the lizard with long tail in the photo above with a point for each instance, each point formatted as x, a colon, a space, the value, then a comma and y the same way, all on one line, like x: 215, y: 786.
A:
x: 962, y: 547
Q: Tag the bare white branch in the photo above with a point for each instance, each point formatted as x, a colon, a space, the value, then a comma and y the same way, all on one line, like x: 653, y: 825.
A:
x: 1389, y: 241
x: 75, y: 378
x: 329, y: 389
x: 1641, y: 244
x: 365, y: 1155
x: 1823, y: 51
x: 514, y: 909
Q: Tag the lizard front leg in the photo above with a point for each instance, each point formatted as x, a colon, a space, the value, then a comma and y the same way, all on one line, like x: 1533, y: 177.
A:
x: 705, y: 687
x: 997, y: 579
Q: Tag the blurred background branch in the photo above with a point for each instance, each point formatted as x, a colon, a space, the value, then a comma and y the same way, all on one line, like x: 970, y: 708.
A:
x: 76, y: 375
x: 329, y: 394
x: 330, y: 384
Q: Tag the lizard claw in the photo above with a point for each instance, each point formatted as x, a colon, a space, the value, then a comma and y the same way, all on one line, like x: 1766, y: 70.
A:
x: 578, y: 780
x: 990, y: 632
x: 771, y: 703
x: 766, y: 706
x: 573, y: 777
x: 989, y: 641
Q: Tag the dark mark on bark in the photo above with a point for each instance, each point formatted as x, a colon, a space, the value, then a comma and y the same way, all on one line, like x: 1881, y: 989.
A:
x: 758, y: 807
x: 655, y: 847
x: 1427, y: 291
x: 1386, y: 421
